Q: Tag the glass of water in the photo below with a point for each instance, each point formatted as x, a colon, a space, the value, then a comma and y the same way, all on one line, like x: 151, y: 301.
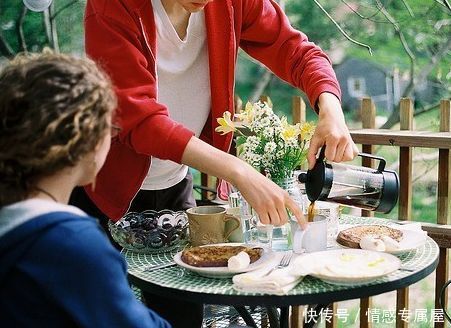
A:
x: 265, y: 235
x: 248, y: 221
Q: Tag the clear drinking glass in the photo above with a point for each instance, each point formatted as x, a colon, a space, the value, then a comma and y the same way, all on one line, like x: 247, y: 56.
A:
x: 234, y: 199
x: 265, y: 235
x: 254, y: 232
x: 282, y: 240
x: 249, y: 221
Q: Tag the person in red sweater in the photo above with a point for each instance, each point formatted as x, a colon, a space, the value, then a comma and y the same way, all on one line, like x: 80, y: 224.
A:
x: 173, y: 63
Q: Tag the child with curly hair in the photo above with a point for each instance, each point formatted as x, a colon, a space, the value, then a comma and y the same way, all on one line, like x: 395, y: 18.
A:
x: 57, y: 267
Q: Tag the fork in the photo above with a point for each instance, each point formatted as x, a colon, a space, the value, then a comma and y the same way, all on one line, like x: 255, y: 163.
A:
x: 158, y: 266
x: 284, y: 262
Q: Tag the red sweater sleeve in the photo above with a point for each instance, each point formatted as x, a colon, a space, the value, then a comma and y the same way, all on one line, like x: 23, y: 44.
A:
x: 146, y: 126
x: 268, y: 36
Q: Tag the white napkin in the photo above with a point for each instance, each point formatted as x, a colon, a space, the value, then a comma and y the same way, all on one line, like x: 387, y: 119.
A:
x: 277, y: 282
x: 412, y: 226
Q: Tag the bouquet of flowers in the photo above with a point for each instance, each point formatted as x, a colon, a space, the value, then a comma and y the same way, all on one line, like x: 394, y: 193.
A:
x: 266, y: 141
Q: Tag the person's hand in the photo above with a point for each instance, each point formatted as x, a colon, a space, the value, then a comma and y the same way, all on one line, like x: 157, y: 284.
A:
x: 332, y: 132
x: 269, y: 200
x: 266, y: 198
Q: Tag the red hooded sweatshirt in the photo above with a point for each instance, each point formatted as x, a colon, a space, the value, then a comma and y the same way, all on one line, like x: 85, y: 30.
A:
x: 121, y: 37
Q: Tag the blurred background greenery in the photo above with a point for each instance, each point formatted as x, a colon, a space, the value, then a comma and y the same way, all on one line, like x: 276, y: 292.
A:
x: 408, y: 40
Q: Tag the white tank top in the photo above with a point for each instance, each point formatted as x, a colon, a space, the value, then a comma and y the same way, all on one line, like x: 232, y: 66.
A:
x: 183, y: 79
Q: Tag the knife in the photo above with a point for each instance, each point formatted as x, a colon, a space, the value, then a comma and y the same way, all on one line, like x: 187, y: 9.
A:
x: 158, y: 266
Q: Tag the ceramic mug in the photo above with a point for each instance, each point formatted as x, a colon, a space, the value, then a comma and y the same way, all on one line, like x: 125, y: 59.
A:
x: 235, y: 235
x: 207, y: 225
x: 313, y: 238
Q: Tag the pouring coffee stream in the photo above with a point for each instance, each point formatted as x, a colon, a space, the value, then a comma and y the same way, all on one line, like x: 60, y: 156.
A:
x: 355, y: 186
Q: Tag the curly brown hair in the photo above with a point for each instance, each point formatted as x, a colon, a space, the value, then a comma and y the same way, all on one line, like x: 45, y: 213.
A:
x: 54, y: 109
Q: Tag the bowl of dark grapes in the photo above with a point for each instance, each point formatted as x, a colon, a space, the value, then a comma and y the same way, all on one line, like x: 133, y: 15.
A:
x: 151, y: 232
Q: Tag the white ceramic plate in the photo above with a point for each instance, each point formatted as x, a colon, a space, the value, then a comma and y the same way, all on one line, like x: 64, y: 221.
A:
x: 411, y: 239
x: 224, y: 272
x: 347, y: 266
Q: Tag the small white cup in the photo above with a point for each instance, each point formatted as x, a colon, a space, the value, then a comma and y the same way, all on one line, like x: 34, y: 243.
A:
x: 332, y: 212
x: 313, y: 238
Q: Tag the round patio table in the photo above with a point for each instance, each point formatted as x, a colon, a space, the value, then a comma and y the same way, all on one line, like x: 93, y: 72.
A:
x: 180, y: 283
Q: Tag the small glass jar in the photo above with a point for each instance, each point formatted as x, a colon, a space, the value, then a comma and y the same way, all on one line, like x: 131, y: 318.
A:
x: 282, y: 237
x: 249, y: 221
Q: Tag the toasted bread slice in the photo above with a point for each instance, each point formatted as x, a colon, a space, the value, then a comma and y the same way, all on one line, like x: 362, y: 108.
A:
x: 217, y: 256
x: 351, y: 237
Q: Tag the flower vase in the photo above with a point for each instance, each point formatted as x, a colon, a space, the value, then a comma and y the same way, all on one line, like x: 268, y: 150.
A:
x: 281, y: 239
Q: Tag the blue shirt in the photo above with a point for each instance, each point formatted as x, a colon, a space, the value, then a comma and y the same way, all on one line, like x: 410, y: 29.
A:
x: 60, y: 270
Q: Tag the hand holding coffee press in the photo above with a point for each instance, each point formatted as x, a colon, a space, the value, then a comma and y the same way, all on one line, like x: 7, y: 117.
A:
x: 355, y: 186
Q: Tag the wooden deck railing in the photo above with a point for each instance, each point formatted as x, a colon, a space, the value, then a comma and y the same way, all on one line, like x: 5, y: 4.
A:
x: 406, y: 139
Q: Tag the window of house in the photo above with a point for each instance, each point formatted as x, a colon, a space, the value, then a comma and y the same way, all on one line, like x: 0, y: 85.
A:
x: 356, y: 86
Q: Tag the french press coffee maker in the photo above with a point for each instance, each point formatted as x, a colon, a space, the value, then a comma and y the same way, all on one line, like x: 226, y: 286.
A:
x: 355, y: 186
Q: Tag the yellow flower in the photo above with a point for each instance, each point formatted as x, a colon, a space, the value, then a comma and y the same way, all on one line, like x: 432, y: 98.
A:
x: 226, y: 124
x: 289, y: 131
x: 306, y: 130
x: 284, y: 121
x: 247, y: 115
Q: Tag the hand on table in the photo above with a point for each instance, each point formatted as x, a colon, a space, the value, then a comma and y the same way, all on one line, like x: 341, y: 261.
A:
x: 332, y: 132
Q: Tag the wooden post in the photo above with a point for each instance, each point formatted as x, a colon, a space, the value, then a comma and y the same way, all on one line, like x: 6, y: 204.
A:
x: 209, y: 182
x: 297, y: 316
x: 366, y: 305
x: 443, y: 205
x: 298, y: 110
x: 368, y: 113
x: 405, y: 162
x: 405, y: 196
x: 333, y: 323
x: 368, y: 110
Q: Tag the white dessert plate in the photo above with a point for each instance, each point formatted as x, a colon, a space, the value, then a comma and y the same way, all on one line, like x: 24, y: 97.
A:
x: 411, y: 239
x: 347, y: 266
x: 224, y: 272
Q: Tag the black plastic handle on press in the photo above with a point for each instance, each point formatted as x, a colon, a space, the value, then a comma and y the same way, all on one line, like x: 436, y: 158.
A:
x: 380, y: 168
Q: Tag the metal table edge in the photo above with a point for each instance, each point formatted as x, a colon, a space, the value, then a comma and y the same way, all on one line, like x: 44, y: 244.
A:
x: 286, y: 300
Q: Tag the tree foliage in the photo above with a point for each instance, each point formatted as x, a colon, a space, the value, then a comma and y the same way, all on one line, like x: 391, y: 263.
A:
x: 65, y: 16
x: 410, y: 35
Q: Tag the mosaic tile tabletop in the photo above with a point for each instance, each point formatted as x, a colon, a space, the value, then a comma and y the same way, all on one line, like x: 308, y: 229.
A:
x: 182, y: 279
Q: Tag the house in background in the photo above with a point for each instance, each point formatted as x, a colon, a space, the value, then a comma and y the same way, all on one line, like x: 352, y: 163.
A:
x: 361, y: 78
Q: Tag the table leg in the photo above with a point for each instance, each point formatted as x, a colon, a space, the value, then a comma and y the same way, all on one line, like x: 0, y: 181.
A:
x: 313, y: 320
x: 244, y: 313
x: 273, y: 317
x: 284, y: 316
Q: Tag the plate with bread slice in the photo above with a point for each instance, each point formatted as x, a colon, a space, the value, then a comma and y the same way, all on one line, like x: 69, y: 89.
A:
x: 381, y: 238
x: 222, y: 260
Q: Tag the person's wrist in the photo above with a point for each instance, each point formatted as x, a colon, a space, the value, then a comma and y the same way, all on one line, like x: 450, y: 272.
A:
x: 329, y: 104
x: 236, y: 171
